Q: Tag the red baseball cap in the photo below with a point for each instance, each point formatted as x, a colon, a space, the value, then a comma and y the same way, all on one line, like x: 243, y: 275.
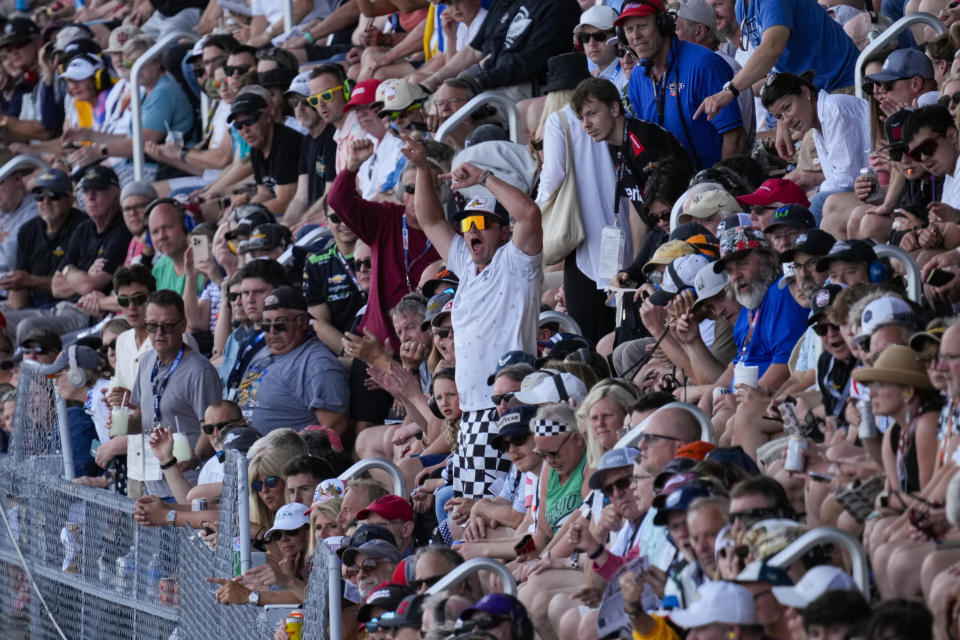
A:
x: 779, y: 191
x: 389, y: 508
x: 639, y: 9
x: 363, y: 94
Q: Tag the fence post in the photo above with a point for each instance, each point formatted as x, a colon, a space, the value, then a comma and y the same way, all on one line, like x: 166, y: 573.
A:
x: 377, y: 463
x: 65, y: 445
x: 243, y: 512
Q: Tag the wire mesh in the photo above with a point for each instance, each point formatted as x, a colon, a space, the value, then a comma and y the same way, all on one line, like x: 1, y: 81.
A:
x: 316, y: 607
x: 35, y: 422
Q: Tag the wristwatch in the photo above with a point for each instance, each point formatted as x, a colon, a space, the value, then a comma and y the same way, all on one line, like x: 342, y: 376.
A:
x: 172, y: 517
x: 483, y: 177
x: 254, y: 598
x: 728, y: 86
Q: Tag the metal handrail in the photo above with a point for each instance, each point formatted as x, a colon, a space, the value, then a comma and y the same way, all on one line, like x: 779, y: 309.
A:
x: 914, y: 283
x: 136, y: 104
x: 889, y: 34
x: 243, y: 512
x: 287, y: 27
x: 565, y: 320
x: 286, y: 258
x: 333, y: 591
x: 706, y: 427
x: 470, y: 567
x: 20, y: 162
x: 377, y: 463
x: 828, y: 535
x: 487, y: 97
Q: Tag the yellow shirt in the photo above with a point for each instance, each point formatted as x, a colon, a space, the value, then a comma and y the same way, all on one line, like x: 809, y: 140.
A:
x: 661, y: 631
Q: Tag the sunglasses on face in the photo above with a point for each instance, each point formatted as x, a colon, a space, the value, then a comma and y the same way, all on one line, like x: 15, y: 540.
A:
x: 949, y: 101
x: 293, y: 533
x: 135, y: 207
x: 409, y: 189
x: 240, y: 125
x: 620, y: 485
x: 137, y: 299
x: 502, y: 397
x: 210, y: 428
x: 270, y: 482
x: 480, y: 222
x: 365, y: 263
x: 233, y: 296
x: 823, y: 328
x: 367, y: 565
x: 39, y: 196
x: 325, y: 96
x: 278, y: 326
x: 442, y: 332
x: 896, y: 152
x: 869, y: 87
x: 754, y: 515
x: 241, y: 69
x: 483, y: 621
x: 164, y: 327
x: 926, y: 148
x: 111, y: 346
x: 600, y: 37
x: 513, y: 441
x: 418, y: 584
x: 296, y: 101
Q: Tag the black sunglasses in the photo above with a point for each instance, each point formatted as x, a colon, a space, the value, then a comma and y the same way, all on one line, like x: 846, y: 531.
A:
x: 409, y: 189
x: 620, y: 485
x: 242, y: 69
x: 111, y: 345
x: 240, y: 125
x: 516, y: 440
x: 822, y: 328
x: 755, y: 514
x: 47, y: 195
x: 137, y: 299
x: 599, y: 37
x: 233, y: 295
x: 418, y: 584
x: 291, y: 533
x: 269, y: 482
x: 442, y: 332
x: 501, y: 397
x: 364, y: 263
x: 274, y: 327
x: 334, y: 218
x: 209, y: 428
x: 484, y: 621
x: 948, y: 101
x: 165, y: 327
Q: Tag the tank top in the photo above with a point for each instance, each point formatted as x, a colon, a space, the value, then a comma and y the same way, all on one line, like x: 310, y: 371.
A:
x: 563, y: 498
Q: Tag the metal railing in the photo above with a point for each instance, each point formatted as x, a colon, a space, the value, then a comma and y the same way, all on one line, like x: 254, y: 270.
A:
x: 470, y: 567
x: 828, y: 535
x: 914, y: 283
x: 487, y: 97
x: 21, y: 162
x: 891, y: 32
x: 332, y: 564
x: 377, y: 463
x: 243, y: 511
x: 565, y: 320
x: 706, y: 427
x: 288, y: 26
x: 136, y: 104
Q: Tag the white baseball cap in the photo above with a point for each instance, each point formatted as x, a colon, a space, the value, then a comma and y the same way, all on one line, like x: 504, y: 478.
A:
x: 290, y: 517
x: 600, y: 16
x: 698, y: 11
x: 886, y: 310
x: 301, y: 84
x: 81, y: 68
x: 708, y: 203
x: 679, y: 275
x: 708, y: 284
x: 814, y: 584
x: 542, y: 387
x: 719, y: 601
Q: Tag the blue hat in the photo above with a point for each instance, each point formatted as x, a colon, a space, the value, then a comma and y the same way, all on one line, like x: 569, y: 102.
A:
x: 904, y: 63
x: 735, y: 457
x: 514, y: 421
x: 508, y: 359
x: 613, y: 459
x: 680, y: 500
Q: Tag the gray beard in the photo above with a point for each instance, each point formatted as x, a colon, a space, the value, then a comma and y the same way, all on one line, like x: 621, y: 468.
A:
x: 753, y: 295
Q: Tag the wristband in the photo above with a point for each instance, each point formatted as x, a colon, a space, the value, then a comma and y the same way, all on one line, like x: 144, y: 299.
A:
x: 309, y: 38
x: 169, y: 463
x: 596, y: 554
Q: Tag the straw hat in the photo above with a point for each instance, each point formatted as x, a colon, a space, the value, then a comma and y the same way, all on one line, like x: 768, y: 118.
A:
x: 898, y: 365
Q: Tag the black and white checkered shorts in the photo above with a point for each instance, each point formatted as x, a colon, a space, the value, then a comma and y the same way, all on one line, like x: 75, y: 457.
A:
x: 477, y: 464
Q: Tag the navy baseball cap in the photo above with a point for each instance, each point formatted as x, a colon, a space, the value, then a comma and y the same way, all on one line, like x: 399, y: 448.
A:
x: 514, y: 421
x: 792, y: 215
x: 511, y: 358
x: 812, y: 241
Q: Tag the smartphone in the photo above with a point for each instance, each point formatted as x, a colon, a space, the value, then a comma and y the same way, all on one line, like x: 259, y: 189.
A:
x: 201, y: 248
x: 939, y: 277
x: 526, y: 545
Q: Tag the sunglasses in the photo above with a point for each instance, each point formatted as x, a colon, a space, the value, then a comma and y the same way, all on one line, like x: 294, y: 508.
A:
x: 270, y: 482
x: 36, y: 350
x: 111, y: 346
x: 295, y: 101
x: 502, y: 397
x: 47, y: 195
x: 365, y: 263
x: 553, y: 455
x: 926, y: 148
x: 517, y: 440
x: 620, y: 485
x: 822, y: 328
x: 483, y: 621
x: 394, y: 115
x: 278, y: 326
x: 480, y: 222
x: 292, y: 533
x: 325, y: 96
x: 367, y: 565
x: 137, y: 299
x: 416, y: 585
x: 949, y: 101
x: 164, y: 327
x: 896, y: 152
x: 442, y: 332
x: 600, y: 37
x: 649, y: 438
x: 755, y: 514
x: 334, y: 218
x: 409, y: 189
x: 209, y: 428
x: 240, y: 125
x: 233, y: 296
x: 241, y: 69
x: 537, y: 144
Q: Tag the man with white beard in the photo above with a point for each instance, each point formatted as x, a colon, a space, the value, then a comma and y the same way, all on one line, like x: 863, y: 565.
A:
x: 771, y: 321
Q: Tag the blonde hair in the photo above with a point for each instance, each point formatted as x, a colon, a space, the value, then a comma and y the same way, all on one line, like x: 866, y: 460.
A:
x: 555, y: 101
x: 328, y: 509
x: 269, y: 462
x: 619, y: 396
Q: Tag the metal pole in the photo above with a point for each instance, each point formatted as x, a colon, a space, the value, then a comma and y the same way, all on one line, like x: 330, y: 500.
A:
x: 889, y: 34
x: 22, y: 161
x: 487, y: 97
x: 914, y: 284
x: 65, y: 444
x: 470, y: 567
x: 706, y: 427
x: 243, y: 512
x: 288, y: 21
x: 135, y: 101
x: 828, y: 535
x: 333, y: 591
x: 377, y: 463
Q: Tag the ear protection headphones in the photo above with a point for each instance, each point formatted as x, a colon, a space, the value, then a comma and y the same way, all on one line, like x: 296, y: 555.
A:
x: 185, y: 218
x: 75, y: 374
x: 879, y: 271
x: 666, y: 24
x: 337, y: 70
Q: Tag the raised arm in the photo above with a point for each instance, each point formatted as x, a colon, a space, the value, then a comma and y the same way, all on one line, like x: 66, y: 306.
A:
x: 430, y: 214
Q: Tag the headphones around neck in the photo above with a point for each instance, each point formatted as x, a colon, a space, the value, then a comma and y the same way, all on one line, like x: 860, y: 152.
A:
x: 75, y: 374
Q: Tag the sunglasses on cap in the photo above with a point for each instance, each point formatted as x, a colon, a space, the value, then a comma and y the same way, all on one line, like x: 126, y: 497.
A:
x: 209, y: 428
x: 242, y: 69
x: 232, y: 296
x: 479, y: 221
x: 325, y: 96
x: 600, y: 37
x: 516, y: 440
x: 47, y: 195
x: 270, y: 482
x: 136, y: 299
x: 926, y: 148
x: 240, y: 125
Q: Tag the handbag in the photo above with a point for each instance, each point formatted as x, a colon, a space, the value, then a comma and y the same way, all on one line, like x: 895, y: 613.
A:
x: 560, y: 214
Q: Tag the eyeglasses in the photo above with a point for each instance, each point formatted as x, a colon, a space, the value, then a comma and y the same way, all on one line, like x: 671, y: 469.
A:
x: 823, y: 328
x: 517, y: 440
x: 137, y: 299
x: 809, y: 266
x: 232, y: 296
x: 553, y: 455
x: 409, y: 189
x: 443, y: 332
x: 240, y: 125
x: 47, y: 195
x: 367, y: 565
x: 270, y: 482
x: 502, y: 397
x: 291, y: 533
x: 449, y: 102
x: 649, y: 438
x: 135, y: 207
x: 326, y: 95
x: 600, y: 37
x: 635, y: 480
x: 620, y: 485
x: 484, y: 621
x: 365, y: 263
x: 296, y: 100
x: 755, y: 514
x: 418, y: 584
x: 165, y: 327
x: 210, y: 428
x: 278, y: 326
x: 926, y: 148
x: 935, y: 358
x: 241, y: 69
x: 111, y: 346
x: 480, y: 222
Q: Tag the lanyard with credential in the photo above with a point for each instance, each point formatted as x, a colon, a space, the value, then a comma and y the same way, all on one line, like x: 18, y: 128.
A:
x: 621, y: 168
x: 746, y: 341
x: 406, y: 252
x: 349, y: 270
x: 161, y: 386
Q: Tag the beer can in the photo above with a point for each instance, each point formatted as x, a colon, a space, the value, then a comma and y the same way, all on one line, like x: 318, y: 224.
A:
x: 294, y: 627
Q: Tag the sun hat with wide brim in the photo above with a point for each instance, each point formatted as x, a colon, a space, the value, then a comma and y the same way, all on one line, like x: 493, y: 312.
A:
x: 898, y: 365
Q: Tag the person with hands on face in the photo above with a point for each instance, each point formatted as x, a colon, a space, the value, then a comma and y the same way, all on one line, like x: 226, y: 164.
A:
x: 906, y: 77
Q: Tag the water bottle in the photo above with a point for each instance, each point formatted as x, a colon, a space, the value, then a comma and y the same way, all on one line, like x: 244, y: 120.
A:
x: 154, y: 575
x: 868, y: 422
x: 130, y: 570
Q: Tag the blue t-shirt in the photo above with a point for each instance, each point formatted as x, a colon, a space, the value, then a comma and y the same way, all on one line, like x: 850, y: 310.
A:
x: 778, y: 327
x: 167, y: 106
x: 693, y: 73
x: 817, y: 42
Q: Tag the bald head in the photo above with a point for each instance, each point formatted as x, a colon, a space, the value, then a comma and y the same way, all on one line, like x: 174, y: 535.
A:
x: 668, y: 430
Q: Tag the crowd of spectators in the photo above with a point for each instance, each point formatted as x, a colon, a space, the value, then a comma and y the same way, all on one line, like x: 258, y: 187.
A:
x: 672, y: 298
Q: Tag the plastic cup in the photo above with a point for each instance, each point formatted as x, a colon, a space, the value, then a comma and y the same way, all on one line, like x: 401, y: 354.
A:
x: 181, y: 447
x: 743, y: 374
x: 119, y: 420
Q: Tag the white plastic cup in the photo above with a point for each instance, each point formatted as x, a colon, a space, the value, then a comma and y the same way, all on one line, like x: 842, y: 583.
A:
x: 119, y: 420
x: 181, y: 447
x: 743, y: 374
